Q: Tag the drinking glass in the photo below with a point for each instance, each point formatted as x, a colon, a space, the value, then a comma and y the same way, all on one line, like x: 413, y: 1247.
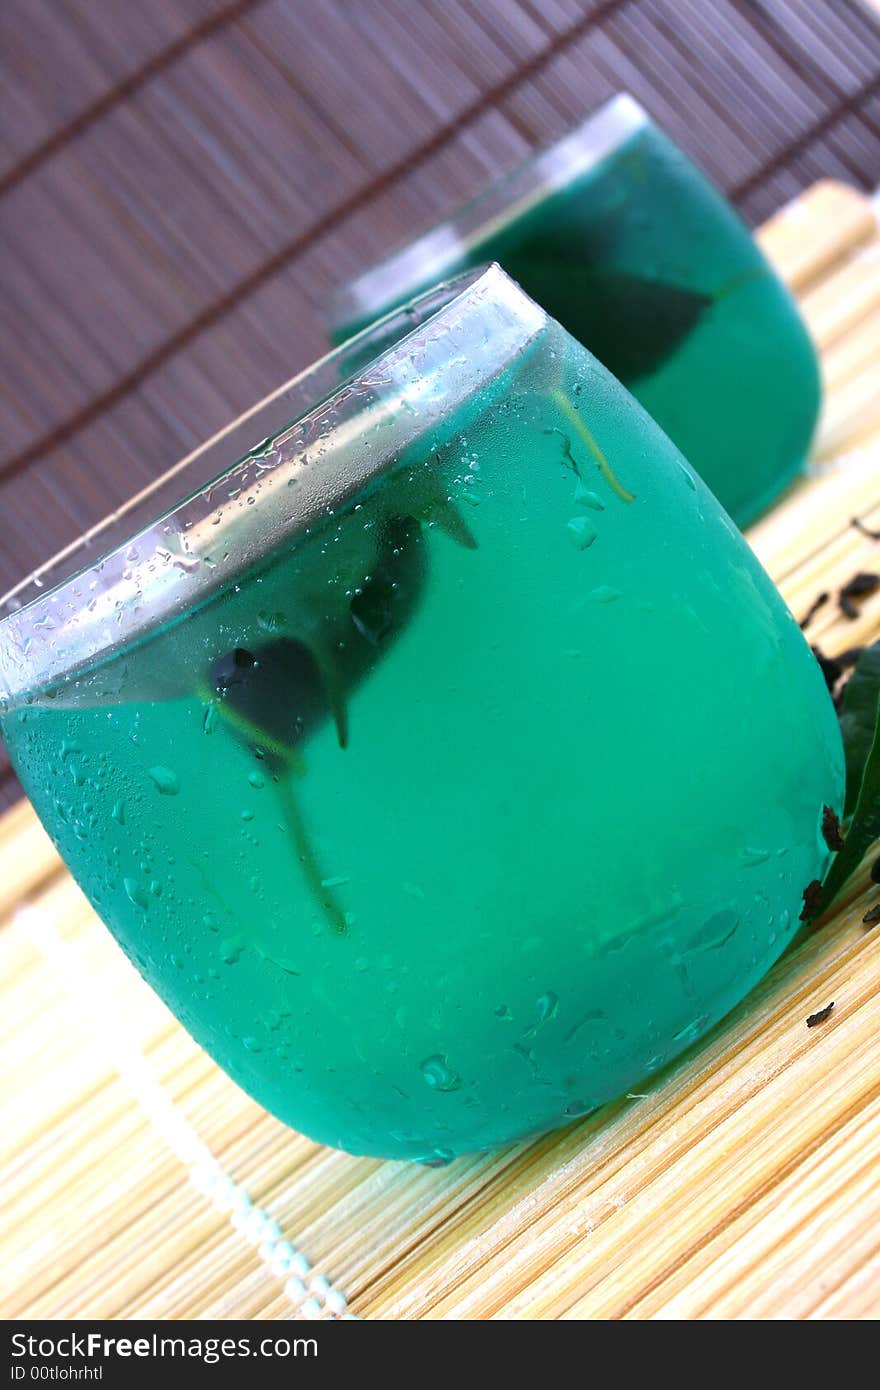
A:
x: 627, y: 243
x: 444, y: 759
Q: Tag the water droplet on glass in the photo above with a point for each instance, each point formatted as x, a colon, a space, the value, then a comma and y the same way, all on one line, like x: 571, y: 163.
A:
x: 135, y: 892
x: 271, y: 623
x: 438, y: 1073
x: 581, y: 532
x: 437, y: 1158
x: 751, y: 857
x: 692, y: 1030
x: 579, y: 1107
x: 231, y: 949
x: 584, y: 497
x: 715, y: 933
x: 604, y: 594
x: 166, y: 780
x: 688, y: 477
x: 547, y: 1006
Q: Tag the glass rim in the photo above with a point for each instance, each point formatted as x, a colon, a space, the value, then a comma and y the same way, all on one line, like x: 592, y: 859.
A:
x: 133, y: 584
x: 428, y: 257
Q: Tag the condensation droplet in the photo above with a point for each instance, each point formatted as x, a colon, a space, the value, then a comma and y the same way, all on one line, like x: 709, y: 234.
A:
x: 751, y: 857
x: 547, y: 1006
x: 579, y: 1107
x: 439, y: 1074
x: 584, y: 497
x: 165, y: 780
x: 437, y: 1158
x: 581, y: 532
x: 135, y: 892
x: 692, y: 1030
x: 604, y: 593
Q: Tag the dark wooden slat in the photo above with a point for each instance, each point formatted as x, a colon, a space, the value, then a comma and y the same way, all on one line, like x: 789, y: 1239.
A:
x: 487, y: 39
x: 847, y: 148
x: 787, y: 157
x: 238, y: 182
x: 317, y: 65
x: 159, y: 276
x: 615, y: 56
x: 169, y: 222
x: 63, y: 64
x: 557, y: 15
x: 763, y: 101
x: 837, y: 43
x: 855, y: 139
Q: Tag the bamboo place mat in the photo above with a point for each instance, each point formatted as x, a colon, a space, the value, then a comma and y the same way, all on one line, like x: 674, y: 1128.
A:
x: 138, y: 1181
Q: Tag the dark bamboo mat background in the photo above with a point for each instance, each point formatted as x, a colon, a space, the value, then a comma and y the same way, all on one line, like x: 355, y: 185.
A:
x: 181, y: 181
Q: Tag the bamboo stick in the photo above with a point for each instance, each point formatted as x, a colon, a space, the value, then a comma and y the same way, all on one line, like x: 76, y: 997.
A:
x: 820, y: 228
x: 27, y: 856
x: 790, y: 1210
x: 846, y: 301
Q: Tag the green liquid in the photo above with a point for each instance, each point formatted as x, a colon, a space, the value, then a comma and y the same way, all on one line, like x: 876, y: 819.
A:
x: 580, y: 799
x: 648, y: 266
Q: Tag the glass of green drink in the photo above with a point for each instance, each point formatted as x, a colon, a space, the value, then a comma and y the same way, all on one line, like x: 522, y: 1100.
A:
x: 628, y: 245
x: 445, y: 760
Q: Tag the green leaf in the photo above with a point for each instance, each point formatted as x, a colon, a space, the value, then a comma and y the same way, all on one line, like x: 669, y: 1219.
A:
x: 858, y: 719
x: 630, y: 322
x: 864, y: 828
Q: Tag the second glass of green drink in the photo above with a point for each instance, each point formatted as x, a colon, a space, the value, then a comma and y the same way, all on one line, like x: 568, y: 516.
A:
x: 444, y: 759
x: 624, y: 241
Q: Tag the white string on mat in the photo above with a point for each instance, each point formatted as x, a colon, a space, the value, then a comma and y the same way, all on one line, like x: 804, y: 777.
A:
x: 312, y: 1295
